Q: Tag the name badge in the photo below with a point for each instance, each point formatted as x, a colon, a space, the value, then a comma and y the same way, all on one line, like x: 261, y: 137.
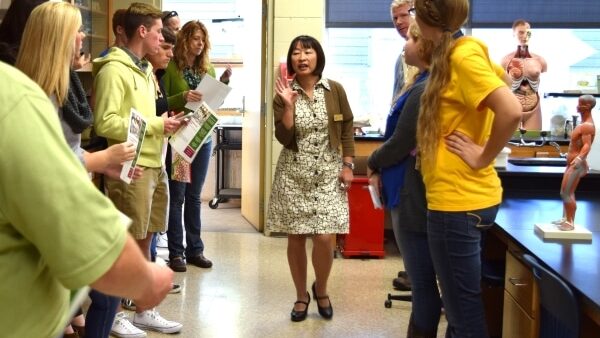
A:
x: 338, y: 117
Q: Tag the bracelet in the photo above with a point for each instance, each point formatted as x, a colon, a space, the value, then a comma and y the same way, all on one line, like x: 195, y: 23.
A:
x: 579, y: 158
x: 348, y: 164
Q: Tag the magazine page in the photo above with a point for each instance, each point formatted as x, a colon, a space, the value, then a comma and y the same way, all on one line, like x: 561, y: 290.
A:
x: 213, y: 92
x: 135, y: 135
x: 189, y: 138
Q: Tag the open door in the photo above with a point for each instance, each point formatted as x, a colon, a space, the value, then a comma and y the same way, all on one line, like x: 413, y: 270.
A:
x: 253, y: 139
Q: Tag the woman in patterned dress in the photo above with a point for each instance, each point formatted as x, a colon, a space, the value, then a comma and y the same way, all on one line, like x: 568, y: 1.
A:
x: 313, y: 122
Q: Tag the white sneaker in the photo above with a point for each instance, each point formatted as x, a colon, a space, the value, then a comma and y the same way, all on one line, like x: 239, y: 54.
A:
x: 123, y: 328
x: 151, y: 320
x: 176, y: 288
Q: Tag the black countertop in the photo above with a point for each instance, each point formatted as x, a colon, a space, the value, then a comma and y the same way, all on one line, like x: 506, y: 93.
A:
x: 532, y: 195
x: 561, y: 140
x: 369, y: 137
x: 577, y: 262
x: 538, y: 140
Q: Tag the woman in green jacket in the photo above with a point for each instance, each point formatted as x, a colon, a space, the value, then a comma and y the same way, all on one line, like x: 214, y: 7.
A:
x: 183, y: 74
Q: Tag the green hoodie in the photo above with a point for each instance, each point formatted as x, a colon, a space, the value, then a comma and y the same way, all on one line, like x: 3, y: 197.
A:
x: 120, y: 85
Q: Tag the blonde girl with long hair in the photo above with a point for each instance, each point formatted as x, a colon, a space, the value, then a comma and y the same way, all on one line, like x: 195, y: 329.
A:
x: 467, y: 115
x: 49, y: 47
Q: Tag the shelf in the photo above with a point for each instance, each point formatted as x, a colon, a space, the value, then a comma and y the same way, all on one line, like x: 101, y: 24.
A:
x: 233, y: 62
x: 94, y: 36
x: 93, y: 11
x: 230, y: 193
x: 86, y: 68
x: 570, y: 94
x: 229, y: 146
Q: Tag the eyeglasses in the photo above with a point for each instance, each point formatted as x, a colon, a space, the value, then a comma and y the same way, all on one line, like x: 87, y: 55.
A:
x: 169, y: 15
x: 412, y: 12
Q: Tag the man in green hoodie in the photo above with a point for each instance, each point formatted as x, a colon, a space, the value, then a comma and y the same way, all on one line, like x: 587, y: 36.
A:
x: 123, y: 79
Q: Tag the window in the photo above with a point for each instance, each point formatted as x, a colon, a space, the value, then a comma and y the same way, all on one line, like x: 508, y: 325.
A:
x: 223, y: 21
x: 357, y: 13
x: 540, y: 13
x: 363, y: 61
x: 484, y: 13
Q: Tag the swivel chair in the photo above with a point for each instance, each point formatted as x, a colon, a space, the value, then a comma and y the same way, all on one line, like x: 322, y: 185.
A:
x: 401, y: 284
x: 558, y: 306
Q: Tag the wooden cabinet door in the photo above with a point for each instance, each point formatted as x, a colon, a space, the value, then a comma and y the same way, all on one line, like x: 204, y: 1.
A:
x: 516, y: 322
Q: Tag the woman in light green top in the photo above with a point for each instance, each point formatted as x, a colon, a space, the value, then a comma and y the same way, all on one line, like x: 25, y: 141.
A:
x: 183, y: 74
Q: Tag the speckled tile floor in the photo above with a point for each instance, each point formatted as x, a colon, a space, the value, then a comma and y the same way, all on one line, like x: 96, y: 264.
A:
x: 249, y: 292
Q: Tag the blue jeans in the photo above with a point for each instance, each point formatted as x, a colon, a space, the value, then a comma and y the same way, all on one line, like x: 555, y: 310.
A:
x: 100, y: 315
x: 188, y: 193
x: 153, y: 247
x: 455, y: 245
x: 426, y: 302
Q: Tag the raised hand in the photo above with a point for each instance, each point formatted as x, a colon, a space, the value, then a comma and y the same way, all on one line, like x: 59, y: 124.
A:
x: 226, y: 74
x: 283, y: 89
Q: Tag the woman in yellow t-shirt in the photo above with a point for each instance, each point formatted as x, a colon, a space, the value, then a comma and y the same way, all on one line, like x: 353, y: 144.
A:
x: 467, y: 115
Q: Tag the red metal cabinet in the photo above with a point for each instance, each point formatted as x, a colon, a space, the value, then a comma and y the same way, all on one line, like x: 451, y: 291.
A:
x: 366, y: 222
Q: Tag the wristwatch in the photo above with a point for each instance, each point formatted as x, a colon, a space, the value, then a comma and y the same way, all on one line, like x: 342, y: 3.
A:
x: 348, y: 164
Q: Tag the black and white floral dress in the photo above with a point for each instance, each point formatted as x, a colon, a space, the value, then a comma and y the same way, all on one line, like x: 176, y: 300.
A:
x: 306, y: 196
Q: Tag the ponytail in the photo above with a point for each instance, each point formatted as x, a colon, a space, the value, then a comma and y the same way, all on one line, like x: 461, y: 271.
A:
x: 429, y: 123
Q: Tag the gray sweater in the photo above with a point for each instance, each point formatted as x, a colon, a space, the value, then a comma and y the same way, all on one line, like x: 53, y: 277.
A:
x: 413, y: 205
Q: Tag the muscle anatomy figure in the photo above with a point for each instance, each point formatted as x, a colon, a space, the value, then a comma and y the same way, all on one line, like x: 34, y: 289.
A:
x: 582, y: 138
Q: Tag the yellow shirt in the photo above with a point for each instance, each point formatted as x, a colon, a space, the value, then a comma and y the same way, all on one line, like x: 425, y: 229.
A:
x: 452, y: 185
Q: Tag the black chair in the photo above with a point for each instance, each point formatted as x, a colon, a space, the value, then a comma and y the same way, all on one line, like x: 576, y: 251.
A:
x: 399, y: 286
x: 559, y: 311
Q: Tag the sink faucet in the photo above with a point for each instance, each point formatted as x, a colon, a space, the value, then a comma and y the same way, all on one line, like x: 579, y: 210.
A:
x: 522, y: 142
x: 555, y: 145
x: 522, y: 131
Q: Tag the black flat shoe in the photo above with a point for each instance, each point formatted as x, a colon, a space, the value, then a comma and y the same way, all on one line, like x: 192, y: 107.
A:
x: 298, y: 316
x: 325, y: 311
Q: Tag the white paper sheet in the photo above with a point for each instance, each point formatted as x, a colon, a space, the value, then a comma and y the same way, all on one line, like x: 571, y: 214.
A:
x: 375, y: 197
x: 213, y: 92
x: 135, y: 135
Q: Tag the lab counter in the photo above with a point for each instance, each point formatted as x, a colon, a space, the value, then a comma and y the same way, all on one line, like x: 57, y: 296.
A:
x: 531, y: 195
x: 543, y: 179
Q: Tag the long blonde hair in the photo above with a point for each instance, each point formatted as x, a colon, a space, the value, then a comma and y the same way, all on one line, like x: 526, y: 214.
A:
x: 449, y: 16
x: 425, y: 50
x: 48, y: 46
